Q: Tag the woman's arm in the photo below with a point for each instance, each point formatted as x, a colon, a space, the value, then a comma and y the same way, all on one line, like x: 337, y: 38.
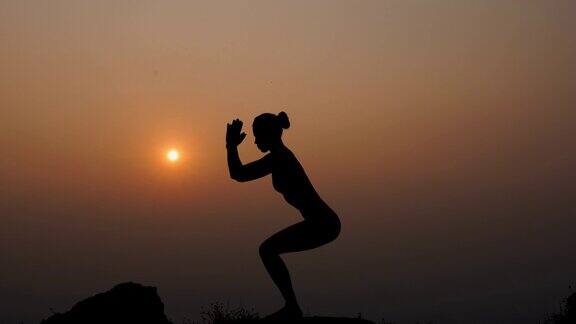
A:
x: 251, y: 171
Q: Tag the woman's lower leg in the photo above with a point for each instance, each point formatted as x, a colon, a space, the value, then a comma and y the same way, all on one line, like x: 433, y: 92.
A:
x: 279, y: 273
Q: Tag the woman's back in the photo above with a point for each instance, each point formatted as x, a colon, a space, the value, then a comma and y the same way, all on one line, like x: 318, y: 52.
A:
x: 290, y: 179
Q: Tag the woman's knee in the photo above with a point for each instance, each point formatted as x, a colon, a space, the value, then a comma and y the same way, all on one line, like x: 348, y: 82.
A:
x: 337, y: 230
x: 266, y: 249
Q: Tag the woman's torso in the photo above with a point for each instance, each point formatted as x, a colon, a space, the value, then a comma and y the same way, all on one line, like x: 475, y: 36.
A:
x: 290, y: 179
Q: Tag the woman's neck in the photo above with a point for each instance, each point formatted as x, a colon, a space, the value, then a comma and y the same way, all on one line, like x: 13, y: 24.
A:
x: 277, y: 147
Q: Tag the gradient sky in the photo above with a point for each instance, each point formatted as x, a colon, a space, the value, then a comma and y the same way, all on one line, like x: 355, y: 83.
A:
x: 442, y: 132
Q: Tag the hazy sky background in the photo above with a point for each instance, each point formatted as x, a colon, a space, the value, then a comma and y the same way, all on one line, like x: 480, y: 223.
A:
x: 442, y: 132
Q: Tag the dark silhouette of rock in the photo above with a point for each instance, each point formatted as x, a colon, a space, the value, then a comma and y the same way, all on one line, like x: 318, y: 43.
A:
x: 568, y: 313
x: 219, y: 313
x: 326, y: 320
x: 130, y: 302
x: 571, y: 306
x: 125, y: 303
x: 303, y: 320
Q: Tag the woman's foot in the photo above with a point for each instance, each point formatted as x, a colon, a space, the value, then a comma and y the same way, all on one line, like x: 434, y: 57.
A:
x: 285, y: 313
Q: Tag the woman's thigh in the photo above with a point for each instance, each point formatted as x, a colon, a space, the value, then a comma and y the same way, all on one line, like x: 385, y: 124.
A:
x: 298, y: 237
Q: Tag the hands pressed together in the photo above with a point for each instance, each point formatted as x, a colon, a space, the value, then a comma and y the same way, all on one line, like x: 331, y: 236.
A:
x: 234, y: 134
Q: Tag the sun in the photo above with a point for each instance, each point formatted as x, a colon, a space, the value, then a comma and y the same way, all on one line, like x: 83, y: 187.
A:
x: 173, y: 155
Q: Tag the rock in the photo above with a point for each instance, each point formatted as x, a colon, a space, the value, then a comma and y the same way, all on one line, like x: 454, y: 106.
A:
x: 571, y: 307
x: 125, y: 303
x: 130, y: 302
x: 304, y: 320
x: 332, y: 320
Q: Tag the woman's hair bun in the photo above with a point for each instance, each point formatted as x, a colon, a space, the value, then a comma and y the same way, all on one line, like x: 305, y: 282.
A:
x: 283, y: 120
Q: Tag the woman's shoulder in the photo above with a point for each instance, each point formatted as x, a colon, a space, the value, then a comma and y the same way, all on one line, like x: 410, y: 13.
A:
x: 284, y: 158
x: 286, y: 154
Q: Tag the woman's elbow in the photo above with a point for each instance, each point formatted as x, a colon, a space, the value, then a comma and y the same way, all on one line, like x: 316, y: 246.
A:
x: 238, y: 177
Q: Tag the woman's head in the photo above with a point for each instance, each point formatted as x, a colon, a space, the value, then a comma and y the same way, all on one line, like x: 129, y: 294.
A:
x: 267, y: 129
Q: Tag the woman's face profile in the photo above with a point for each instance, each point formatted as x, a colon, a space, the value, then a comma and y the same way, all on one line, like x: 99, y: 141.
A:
x: 266, y: 132
x: 261, y: 140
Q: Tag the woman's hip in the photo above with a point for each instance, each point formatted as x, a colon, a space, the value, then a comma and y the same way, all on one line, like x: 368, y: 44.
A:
x: 327, y: 225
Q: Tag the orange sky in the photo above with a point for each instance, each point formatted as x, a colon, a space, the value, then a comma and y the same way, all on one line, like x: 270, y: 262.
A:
x: 440, y: 131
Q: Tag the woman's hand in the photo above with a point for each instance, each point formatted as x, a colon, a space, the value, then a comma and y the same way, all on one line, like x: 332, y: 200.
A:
x: 233, y: 133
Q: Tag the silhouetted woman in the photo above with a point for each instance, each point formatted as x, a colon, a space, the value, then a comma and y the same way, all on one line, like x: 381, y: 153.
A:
x: 321, y: 224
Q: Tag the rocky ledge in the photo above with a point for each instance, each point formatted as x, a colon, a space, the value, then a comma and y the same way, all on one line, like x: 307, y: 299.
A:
x: 130, y: 302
